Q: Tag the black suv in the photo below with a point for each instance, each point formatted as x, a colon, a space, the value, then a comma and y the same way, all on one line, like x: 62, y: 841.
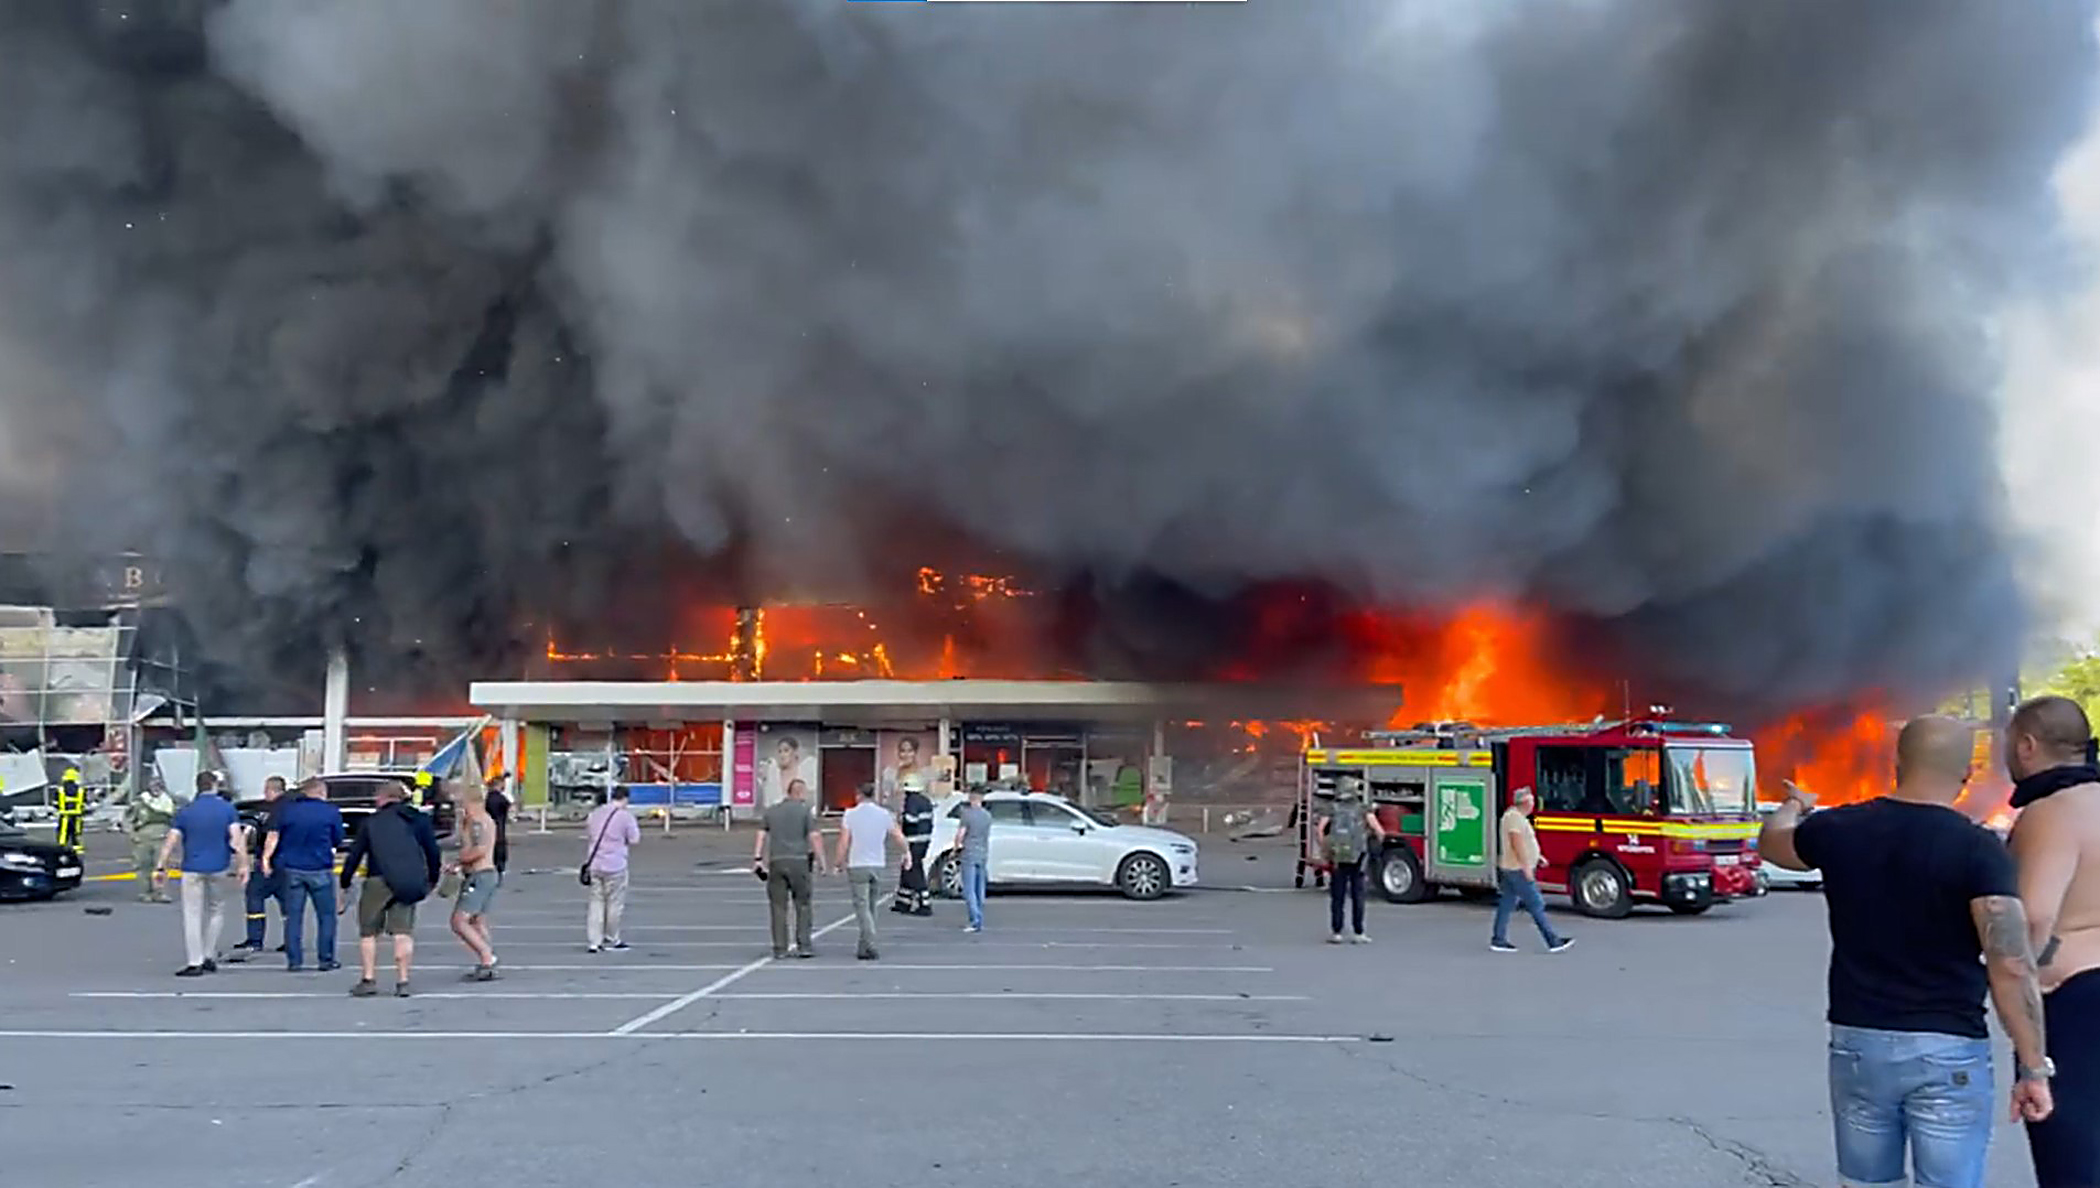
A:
x: 356, y: 793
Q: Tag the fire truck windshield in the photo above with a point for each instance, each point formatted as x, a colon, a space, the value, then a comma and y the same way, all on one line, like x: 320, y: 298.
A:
x: 1711, y: 780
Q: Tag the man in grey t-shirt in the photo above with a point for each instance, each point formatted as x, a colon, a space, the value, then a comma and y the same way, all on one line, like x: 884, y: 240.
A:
x: 973, y: 837
x: 786, y: 856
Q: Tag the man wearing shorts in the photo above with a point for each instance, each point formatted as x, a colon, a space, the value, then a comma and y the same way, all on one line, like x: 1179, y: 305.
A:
x: 479, y: 880
x: 399, y: 851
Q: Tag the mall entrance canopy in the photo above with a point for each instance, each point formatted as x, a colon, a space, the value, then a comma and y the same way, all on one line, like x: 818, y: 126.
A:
x: 987, y: 728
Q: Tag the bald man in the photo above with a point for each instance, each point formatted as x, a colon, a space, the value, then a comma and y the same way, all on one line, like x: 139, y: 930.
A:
x: 1925, y: 917
x: 2056, y: 841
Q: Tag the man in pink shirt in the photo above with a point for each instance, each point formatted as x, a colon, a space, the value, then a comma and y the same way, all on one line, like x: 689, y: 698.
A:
x: 608, y: 832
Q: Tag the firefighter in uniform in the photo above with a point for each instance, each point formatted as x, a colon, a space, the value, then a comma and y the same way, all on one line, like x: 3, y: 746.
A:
x: 72, y: 803
x: 147, y: 815
x: 916, y: 821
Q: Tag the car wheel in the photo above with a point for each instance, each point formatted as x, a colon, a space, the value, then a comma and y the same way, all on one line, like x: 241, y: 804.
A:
x: 1398, y: 876
x: 1143, y: 876
x: 1599, y: 889
x: 947, y: 877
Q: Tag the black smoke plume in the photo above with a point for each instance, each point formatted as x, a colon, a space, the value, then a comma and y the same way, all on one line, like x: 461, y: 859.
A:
x: 416, y: 324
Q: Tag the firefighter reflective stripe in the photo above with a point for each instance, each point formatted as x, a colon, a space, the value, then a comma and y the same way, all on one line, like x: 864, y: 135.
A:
x: 1401, y: 758
x: 71, y: 802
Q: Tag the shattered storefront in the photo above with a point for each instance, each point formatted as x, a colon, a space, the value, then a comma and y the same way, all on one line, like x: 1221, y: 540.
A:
x: 78, y: 674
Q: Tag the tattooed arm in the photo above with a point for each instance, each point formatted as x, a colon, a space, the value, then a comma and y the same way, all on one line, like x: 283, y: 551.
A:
x: 2002, y: 925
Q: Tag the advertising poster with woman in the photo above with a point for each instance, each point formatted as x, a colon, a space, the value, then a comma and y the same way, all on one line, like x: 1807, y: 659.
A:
x: 901, y: 753
x: 786, y: 753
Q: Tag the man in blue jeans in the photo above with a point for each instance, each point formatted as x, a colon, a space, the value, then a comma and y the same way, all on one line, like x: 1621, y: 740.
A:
x: 300, y: 852
x: 1925, y: 918
x: 973, y: 844
x: 1517, y: 860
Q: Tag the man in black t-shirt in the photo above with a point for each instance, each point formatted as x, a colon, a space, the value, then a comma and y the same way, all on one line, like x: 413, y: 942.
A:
x: 1925, y: 918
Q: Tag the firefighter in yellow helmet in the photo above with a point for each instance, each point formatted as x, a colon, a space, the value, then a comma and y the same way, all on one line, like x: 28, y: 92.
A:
x: 72, y: 805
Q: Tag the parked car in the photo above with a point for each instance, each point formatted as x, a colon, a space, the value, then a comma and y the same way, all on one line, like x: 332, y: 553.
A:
x: 1039, y: 839
x: 1771, y: 876
x: 35, y: 869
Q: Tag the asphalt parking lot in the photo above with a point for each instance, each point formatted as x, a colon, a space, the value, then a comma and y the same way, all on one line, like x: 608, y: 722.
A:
x: 1207, y: 1039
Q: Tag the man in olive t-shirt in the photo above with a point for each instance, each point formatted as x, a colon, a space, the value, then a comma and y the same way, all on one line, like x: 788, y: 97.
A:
x: 786, y: 855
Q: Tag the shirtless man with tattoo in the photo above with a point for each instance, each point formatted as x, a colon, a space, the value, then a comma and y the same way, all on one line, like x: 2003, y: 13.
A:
x: 1925, y: 917
x: 2048, y: 752
x: 478, y: 882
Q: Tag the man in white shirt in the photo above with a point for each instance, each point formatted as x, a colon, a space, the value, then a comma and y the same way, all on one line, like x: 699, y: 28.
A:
x: 864, y: 833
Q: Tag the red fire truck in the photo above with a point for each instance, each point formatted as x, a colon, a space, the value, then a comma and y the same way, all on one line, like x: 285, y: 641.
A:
x: 1649, y: 811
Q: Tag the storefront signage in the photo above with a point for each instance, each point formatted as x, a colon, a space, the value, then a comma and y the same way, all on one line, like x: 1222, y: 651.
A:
x: 743, y: 768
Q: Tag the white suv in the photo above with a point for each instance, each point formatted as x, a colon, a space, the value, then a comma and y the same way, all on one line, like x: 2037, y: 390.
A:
x: 1043, y: 840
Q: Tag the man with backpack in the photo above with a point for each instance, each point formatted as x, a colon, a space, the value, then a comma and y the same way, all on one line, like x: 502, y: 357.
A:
x: 399, y: 850
x: 1344, y: 838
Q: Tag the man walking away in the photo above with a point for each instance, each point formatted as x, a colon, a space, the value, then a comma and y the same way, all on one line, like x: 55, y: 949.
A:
x: 610, y: 829
x: 1517, y: 860
x: 262, y: 887
x: 786, y: 854
x: 2056, y: 842
x: 499, y: 811
x: 210, y: 832
x: 478, y: 882
x: 1343, y: 840
x: 863, y: 832
x: 1917, y: 893
x: 973, y: 843
x: 399, y: 850
x: 913, y: 896
x: 147, y: 815
x: 300, y: 854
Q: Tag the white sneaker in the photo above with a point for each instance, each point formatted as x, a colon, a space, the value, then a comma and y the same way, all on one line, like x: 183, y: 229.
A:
x: 1336, y: 939
x: 1361, y: 939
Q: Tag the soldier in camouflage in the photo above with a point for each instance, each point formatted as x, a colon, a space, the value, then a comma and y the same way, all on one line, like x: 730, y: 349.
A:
x: 147, y: 816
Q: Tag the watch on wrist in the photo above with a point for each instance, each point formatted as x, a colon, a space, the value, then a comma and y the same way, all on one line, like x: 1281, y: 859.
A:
x: 2038, y: 1072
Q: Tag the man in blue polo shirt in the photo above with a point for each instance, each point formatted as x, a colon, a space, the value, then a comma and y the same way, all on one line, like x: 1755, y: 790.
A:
x: 300, y: 852
x: 213, y: 858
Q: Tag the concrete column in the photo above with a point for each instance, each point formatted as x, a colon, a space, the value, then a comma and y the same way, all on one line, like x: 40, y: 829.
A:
x: 335, y: 710
x: 508, y: 733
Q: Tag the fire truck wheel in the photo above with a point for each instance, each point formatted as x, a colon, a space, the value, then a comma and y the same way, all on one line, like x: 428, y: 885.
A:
x: 1144, y: 876
x: 1398, y: 876
x: 1600, y: 889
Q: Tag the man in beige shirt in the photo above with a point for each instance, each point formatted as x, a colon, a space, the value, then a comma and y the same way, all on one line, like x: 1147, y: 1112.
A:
x: 1517, y: 860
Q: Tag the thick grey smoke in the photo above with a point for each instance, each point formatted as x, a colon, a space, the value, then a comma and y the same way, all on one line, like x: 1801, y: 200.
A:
x: 411, y: 321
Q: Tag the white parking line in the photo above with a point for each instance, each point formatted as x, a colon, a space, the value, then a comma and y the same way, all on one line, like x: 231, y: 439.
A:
x: 878, y: 967
x: 507, y: 967
x: 658, y: 996
x: 1025, y: 994
x: 673, y: 1007
x: 758, y: 929
x: 650, y: 1036
x: 641, y: 941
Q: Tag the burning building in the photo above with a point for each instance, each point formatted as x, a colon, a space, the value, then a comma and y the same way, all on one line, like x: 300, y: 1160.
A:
x: 1541, y: 360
